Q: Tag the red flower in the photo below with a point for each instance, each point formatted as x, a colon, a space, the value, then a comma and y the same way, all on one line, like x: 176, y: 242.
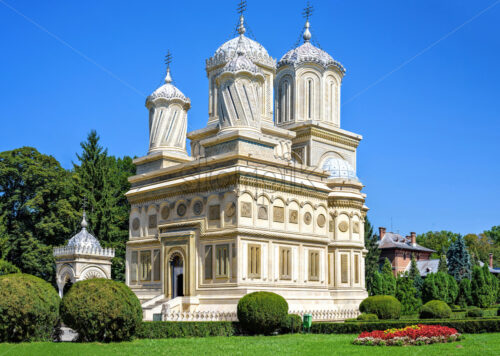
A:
x: 412, y: 332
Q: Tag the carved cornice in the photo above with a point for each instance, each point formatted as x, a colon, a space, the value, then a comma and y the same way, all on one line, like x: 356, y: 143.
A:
x: 324, y: 134
x: 341, y: 203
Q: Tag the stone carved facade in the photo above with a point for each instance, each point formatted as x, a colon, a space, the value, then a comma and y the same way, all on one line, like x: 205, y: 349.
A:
x: 261, y: 204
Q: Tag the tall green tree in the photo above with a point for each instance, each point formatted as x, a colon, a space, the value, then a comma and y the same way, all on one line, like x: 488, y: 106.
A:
x: 414, y: 275
x: 440, y: 286
x: 443, y: 266
x: 484, y: 287
x: 439, y: 241
x: 493, y: 234
x: 103, y: 180
x: 406, y: 293
x: 464, y: 298
x: 459, y: 265
x: 388, y: 278
x: 372, y: 257
x: 36, y: 209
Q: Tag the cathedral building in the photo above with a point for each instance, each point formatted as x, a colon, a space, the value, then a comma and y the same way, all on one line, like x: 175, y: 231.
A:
x: 268, y: 199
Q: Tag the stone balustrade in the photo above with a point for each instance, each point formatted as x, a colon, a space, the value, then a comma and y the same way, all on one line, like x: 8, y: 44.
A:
x: 78, y: 250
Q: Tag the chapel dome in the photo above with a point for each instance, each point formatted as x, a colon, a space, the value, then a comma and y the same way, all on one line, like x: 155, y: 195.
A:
x: 84, y: 239
x: 241, y: 63
x: 339, y: 168
x: 168, y: 91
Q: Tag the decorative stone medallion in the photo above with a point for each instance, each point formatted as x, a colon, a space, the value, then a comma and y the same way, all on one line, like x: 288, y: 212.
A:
x: 343, y: 226
x: 165, y: 212
x: 321, y: 220
x: 136, y: 223
x: 152, y: 221
x: 214, y: 212
x: 262, y: 213
x: 181, y: 209
x: 307, y: 218
x: 230, y: 209
x: 355, y: 227
x: 246, y: 209
x: 197, y: 207
x: 279, y: 214
x: 293, y: 217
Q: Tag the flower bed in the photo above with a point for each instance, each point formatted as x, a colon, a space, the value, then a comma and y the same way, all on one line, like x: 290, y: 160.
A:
x: 410, y: 335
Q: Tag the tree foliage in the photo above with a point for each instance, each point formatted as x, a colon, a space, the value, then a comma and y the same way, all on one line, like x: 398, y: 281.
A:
x: 439, y: 241
x: 458, y: 260
x: 464, y: 298
x: 443, y: 266
x: 389, y: 281
x: 484, y: 287
x: 372, y: 257
x: 418, y: 281
x: 440, y: 286
x: 406, y: 293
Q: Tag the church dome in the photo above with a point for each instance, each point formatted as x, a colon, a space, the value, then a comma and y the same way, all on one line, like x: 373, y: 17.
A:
x: 308, y: 53
x: 168, y: 91
x: 253, y: 50
x: 84, y: 239
x: 339, y: 168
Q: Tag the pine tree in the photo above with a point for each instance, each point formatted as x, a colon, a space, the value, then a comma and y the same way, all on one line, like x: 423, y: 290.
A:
x: 377, y: 284
x: 372, y: 257
x: 439, y: 286
x: 459, y: 262
x: 442, y: 267
x: 388, y: 278
x: 414, y: 274
x: 484, y: 287
x: 102, y: 179
x: 406, y: 293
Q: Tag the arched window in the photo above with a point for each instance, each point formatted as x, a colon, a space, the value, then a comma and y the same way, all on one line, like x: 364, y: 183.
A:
x: 285, y: 102
x: 309, y: 98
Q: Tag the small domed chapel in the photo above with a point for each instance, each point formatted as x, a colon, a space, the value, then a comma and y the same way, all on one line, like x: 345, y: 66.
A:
x: 268, y: 200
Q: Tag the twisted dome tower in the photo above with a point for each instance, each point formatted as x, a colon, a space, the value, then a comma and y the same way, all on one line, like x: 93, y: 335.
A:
x: 249, y: 51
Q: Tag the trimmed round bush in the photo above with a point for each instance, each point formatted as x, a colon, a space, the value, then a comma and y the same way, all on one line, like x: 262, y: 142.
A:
x: 367, y: 317
x: 8, y: 268
x: 474, y: 313
x: 292, y: 324
x: 384, y: 306
x: 101, y: 310
x: 435, y: 309
x: 262, y: 312
x: 29, y: 308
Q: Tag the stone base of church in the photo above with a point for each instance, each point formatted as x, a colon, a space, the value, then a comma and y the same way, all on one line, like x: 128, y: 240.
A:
x: 221, y: 305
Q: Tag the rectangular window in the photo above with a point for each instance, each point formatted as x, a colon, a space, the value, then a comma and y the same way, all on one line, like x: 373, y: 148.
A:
x: 133, y: 267
x: 344, y: 269
x: 254, y: 261
x: 208, y: 262
x: 156, y: 265
x: 285, y: 263
x: 234, y: 261
x: 145, y: 270
x: 356, y: 269
x: 222, y: 261
x: 313, y: 265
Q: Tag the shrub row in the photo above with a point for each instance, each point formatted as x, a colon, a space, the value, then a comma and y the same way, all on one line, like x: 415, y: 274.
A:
x: 471, y: 326
x: 175, y: 329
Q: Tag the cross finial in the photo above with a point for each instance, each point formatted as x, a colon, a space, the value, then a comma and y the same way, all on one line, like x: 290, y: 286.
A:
x: 168, y: 60
x: 308, y: 11
x: 242, y: 7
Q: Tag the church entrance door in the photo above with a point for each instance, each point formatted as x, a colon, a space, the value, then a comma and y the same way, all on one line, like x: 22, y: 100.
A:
x: 177, y: 268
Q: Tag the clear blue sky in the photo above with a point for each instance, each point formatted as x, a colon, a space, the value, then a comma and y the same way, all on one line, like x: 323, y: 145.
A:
x: 430, y: 154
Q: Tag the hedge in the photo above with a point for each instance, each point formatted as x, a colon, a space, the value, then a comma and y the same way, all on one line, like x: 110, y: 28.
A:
x: 384, y: 306
x: 470, y: 326
x: 29, y: 309
x: 175, y: 329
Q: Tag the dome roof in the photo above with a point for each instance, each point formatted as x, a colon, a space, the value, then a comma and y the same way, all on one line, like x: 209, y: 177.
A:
x: 168, y: 91
x: 308, y: 53
x: 241, y: 63
x: 339, y: 168
x: 252, y: 49
x: 84, y: 239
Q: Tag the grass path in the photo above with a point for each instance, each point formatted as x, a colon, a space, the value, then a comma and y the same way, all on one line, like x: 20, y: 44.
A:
x: 478, y: 344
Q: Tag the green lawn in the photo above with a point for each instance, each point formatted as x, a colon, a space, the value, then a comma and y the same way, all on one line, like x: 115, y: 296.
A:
x: 478, y: 344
